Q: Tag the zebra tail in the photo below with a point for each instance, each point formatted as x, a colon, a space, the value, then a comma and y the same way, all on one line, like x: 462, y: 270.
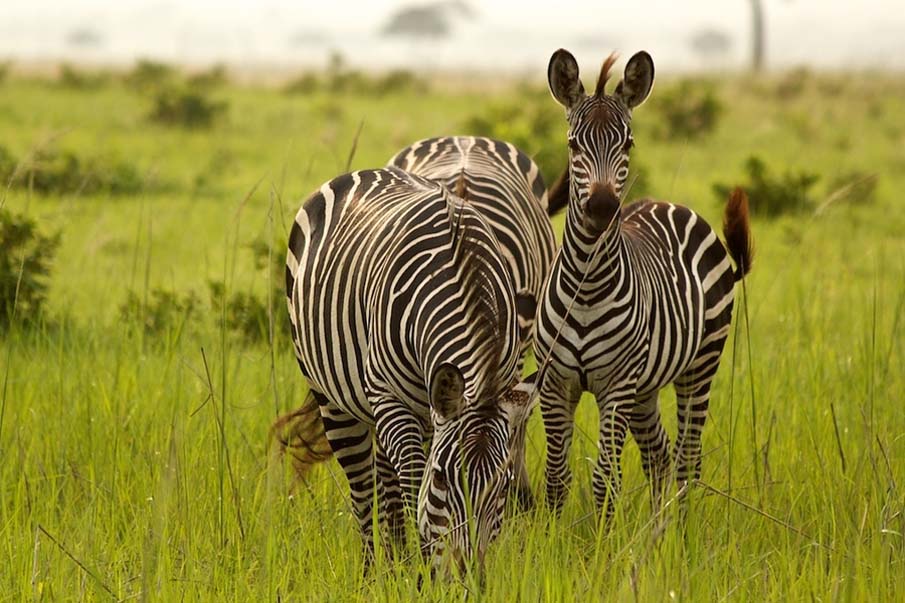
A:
x: 558, y: 194
x: 301, y: 435
x: 737, y: 232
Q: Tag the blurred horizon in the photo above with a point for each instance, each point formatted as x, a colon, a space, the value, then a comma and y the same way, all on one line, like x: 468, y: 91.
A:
x: 503, y: 35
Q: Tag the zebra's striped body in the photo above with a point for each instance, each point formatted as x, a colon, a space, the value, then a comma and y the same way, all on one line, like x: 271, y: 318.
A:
x: 506, y: 186
x: 640, y: 297
x: 404, y: 323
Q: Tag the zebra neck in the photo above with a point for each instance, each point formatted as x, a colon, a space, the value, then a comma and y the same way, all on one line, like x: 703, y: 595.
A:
x: 591, y: 258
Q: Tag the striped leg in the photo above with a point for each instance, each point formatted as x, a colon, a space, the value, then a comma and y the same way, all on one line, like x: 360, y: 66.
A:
x: 392, y: 509
x: 558, y: 410
x: 400, y: 434
x: 352, y: 443
x: 521, y: 485
x: 693, y: 399
x: 652, y: 440
x: 614, y: 409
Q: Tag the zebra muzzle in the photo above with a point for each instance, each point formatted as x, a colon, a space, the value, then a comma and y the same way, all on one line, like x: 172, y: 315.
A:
x: 602, y: 207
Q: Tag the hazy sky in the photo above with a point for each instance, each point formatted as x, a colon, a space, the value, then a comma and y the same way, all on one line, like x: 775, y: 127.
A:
x: 504, y: 34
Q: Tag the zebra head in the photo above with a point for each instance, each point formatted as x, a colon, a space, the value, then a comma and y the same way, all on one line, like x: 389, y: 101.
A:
x: 463, y: 493
x: 600, y: 134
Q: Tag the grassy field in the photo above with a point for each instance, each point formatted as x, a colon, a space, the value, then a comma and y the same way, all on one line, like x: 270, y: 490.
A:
x: 134, y: 463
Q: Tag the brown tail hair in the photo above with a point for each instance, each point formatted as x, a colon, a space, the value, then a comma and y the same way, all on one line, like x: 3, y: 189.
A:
x: 558, y: 194
x: 737, y: 232
x: 301, y: 435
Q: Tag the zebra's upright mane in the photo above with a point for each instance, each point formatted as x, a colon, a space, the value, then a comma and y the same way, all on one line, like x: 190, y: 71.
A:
x: 474, y: 261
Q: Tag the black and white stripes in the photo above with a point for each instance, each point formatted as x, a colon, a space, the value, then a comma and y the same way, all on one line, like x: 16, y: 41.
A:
x: 404, y: 322
x: 640, y: 296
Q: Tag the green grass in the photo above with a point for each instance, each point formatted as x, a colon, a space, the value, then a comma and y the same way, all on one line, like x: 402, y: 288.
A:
x: 129, y: 470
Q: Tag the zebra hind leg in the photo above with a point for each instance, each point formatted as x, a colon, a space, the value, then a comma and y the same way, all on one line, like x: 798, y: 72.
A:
x: 653, y: 442
x: 352, y: 444
x: 693, y: 400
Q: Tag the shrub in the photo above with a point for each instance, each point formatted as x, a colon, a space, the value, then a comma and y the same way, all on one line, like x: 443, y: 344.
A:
x: 5, y: 68
x: 77, y: 79
x: 247, y: 315
x: 149, y: 75
x: 307, y: 83
x: 53, y: 171
x: 852, y: 187
x: 771, y: 196
x: 25, y: 259
x: 164, y: 312
x: 688, y: 110
x: 186, y: 109
x: 215, y: 77
x: 532, y: 125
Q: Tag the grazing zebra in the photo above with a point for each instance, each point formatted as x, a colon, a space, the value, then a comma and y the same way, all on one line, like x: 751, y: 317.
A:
x: 506, y: 186
x: 403, y: 320
x: 640, y: 296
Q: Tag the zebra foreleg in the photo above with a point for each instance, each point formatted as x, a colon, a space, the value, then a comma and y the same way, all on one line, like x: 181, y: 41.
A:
x: 391, y: 507
x: 614, y: 418
x: 558, y: 410
x: 400, y: 434
x: 653, y: 442
x: 352, y: 444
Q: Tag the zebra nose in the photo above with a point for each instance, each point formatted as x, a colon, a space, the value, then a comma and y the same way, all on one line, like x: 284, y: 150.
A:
x: 602, y: 206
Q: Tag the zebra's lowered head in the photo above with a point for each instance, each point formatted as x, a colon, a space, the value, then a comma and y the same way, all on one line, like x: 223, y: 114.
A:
x: 600, y: 135
x: 463, y: 493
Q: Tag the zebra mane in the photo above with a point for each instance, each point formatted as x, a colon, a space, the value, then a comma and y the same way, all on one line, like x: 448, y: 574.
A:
x: 474, y: 259
x: 604, y: 76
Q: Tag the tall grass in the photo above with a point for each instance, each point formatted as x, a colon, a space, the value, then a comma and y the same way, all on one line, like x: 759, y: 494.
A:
x: 137, y: 466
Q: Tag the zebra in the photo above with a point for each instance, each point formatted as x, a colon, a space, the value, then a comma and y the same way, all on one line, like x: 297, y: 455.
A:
x: 506, y: 186
x: 403, y: 320
x: 640, y: 296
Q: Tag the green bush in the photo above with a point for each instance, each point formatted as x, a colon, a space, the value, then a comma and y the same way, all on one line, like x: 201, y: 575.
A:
x: 149, y: 75
x: 247, y: 315
x: 77, y: 79
x: 186, y: 109
x: 163, y: 312
x: 26, y: 256
x: 771, y: 196
x: 215, y: 77
x: 689, y: 110
x: 51, y: 171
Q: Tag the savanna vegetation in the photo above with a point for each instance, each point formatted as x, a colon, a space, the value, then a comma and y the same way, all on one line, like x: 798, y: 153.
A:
x: 144, y: 354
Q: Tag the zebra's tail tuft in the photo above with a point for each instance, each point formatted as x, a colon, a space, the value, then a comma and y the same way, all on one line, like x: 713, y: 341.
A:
x: 301, y: 435
x: 558, y: 194
x: 737, y: 231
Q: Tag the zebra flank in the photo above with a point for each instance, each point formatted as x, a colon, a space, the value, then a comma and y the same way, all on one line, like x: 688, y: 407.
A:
x: 403, y: 318
x: 507, y: 188
x: 639, y: 297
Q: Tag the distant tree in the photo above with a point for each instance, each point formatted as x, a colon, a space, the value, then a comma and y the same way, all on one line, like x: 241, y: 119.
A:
x: 432, y: 20
x: 758, y: 35
x: 710, y: 43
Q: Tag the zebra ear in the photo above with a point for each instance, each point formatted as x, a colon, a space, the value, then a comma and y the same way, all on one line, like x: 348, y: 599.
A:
x: 447, y: 391
x: 638, y: 80
x: 562, y: 75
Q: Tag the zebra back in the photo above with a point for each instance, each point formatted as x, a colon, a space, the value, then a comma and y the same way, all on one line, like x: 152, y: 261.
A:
x: 506, y: 186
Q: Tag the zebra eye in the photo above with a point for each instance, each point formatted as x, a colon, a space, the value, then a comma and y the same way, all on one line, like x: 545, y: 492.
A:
x: 439, y: 478
x: 628, y: 145
x: 573, y: 144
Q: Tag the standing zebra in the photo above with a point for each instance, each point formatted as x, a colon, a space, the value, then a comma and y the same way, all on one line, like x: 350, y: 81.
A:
x: 640, y: 296
x: 404, y: 323
x: 506, y: 186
